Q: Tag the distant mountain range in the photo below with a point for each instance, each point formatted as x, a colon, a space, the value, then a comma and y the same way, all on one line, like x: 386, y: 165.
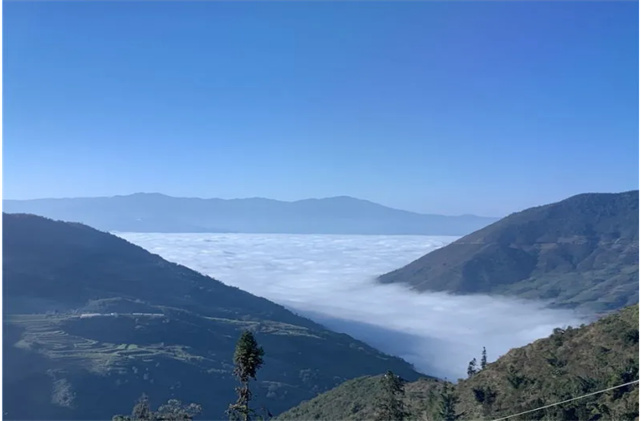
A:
x: 152, y: 212
x: 90, y: 322
x: 582, y: 252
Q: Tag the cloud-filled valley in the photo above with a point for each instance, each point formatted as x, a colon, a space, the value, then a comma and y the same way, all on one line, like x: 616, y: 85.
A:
x: 330, y: 279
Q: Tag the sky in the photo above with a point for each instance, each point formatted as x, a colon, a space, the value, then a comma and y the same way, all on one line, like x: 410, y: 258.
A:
x: 437, y: 107
x: 330, y: 279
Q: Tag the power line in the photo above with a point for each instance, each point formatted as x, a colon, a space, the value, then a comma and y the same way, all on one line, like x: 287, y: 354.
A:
x: 566, y: 401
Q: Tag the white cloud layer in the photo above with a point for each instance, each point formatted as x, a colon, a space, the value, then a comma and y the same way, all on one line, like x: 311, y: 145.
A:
x: 330, y: 279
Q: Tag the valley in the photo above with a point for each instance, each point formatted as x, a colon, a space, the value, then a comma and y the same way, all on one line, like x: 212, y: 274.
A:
x: 331, y: 280
x: 61, y: 365
x: 320, y: 210
x: 89, y: 313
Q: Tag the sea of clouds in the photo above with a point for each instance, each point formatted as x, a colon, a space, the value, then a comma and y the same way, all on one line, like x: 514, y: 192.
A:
x: 331, y: 279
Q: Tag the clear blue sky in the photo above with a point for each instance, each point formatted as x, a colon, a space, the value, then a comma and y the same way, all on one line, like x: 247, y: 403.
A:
x: 459, y: 107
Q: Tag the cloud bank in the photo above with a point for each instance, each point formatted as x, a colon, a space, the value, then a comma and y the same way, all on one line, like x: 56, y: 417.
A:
x: 330, y: 279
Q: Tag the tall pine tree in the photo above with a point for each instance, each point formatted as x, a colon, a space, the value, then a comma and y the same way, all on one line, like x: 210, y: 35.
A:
x: 471, y: 368
x: 142, y: 410
x: 483, y: 359
x: 391, y: 407
x: 248, y: 358
x: 447, y: 405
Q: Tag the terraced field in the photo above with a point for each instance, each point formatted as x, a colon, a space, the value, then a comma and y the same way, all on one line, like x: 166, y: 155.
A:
x: 124, y: 355
x: 45, y: 334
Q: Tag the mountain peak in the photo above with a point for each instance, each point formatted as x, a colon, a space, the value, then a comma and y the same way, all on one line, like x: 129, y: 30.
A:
x: 145, y: 194
x: 571, y: 252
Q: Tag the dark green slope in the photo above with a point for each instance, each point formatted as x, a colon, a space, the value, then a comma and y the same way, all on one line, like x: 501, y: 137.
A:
x: 568, y: 364
x: 357, y: 399
x: 579, y: 253
x: 92, y: 321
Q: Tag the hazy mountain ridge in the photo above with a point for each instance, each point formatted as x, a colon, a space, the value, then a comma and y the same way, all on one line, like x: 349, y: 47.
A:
x: 581, y: 252
x: 90, y: 315
x: 154, y: 212
x: 569, y: 363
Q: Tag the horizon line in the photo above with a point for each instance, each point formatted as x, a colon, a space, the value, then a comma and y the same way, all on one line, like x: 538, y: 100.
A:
x: 312, y: 198
x: 249, y: 198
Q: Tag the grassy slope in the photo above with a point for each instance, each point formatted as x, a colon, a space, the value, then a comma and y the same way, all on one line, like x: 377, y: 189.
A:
x: 581, y: 253
x: 356, y: 400
x: 565, y: 365
x: 91, y: 368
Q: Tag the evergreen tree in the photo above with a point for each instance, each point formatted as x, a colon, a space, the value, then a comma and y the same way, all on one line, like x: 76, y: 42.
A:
x: 248, y: 358
x: 142, y: 410
x: 471, y: 368
x: 447, y: 405
x: 391, y: 407
x: 483, y: 359
x: 173, y: 410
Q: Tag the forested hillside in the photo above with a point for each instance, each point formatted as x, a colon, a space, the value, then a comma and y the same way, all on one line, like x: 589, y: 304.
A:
x: 569, y: 363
